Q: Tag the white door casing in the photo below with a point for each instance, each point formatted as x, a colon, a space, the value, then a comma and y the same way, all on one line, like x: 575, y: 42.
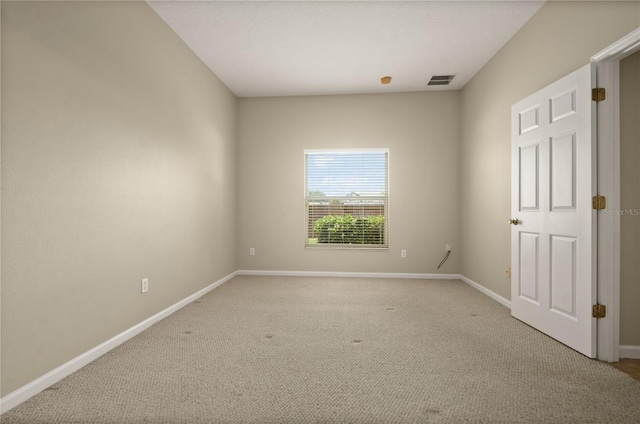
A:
x: 553, y: 244
x: 607, y: 63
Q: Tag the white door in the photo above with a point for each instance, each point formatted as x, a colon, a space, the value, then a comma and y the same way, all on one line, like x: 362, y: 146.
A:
x: 553, y: 241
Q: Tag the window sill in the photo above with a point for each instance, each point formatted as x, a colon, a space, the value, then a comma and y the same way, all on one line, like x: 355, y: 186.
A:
x: 328, y: 246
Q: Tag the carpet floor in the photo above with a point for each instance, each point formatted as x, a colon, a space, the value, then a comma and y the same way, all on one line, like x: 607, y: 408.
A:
x: 339, y: 350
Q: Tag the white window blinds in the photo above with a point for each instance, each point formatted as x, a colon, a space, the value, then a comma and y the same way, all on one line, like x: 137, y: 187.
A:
x: 346, y: 198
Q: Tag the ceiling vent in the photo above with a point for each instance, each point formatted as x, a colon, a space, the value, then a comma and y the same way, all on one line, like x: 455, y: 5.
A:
x: 441, y: 80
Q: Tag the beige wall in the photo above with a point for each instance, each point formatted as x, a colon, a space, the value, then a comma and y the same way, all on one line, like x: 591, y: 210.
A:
x: 118, y: 163
x: 630, y: 200
x: 557, y: 40
x: 420, y: 129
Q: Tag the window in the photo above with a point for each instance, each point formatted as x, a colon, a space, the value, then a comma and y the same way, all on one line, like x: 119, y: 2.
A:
x: 346, y: 198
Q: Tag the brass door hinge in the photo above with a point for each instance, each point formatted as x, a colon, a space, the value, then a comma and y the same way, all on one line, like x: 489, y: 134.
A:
x: 598, y: 94
x: 599, y: 311
x: 599, y: 202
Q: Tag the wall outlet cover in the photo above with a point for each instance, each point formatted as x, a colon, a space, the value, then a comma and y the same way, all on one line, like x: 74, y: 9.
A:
x: 144, y: 285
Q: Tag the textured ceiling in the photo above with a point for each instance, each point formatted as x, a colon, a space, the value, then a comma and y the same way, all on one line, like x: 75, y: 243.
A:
x: 294, y: 48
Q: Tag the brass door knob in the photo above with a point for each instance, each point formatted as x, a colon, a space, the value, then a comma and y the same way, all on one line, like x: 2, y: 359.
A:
x: 513, y: 221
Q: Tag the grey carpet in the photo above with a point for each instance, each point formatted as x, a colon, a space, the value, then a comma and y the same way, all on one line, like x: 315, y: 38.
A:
x: 332, y: 350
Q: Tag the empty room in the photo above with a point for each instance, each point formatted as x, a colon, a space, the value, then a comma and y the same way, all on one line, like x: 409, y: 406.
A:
x: 320, y: 212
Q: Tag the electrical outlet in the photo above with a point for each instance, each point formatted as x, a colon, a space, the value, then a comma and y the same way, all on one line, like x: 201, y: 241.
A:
x: 252, y: 251
x: 403, y: 253
x: 144, y: 285
x: 447, y: 248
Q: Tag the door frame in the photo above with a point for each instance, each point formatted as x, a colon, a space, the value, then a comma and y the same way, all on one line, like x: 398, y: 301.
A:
x: 607, y: 65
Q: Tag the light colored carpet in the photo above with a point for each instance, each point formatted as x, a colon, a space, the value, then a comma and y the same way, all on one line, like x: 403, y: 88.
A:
x: 334, y: 350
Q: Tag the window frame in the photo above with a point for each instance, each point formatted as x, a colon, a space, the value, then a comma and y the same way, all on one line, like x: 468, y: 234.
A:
x: 383, y: 198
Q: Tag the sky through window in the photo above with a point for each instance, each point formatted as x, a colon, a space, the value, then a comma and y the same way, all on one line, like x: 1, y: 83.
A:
x: 361, y: 173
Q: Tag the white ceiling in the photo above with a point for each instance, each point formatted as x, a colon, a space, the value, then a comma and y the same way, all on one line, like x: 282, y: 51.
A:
x: 292, y: 48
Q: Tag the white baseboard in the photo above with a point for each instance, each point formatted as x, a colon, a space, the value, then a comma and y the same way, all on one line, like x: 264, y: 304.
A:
x: 493, y: 295
x: 629, y: 351
x: 31, y: 389
x: 351, y: 274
